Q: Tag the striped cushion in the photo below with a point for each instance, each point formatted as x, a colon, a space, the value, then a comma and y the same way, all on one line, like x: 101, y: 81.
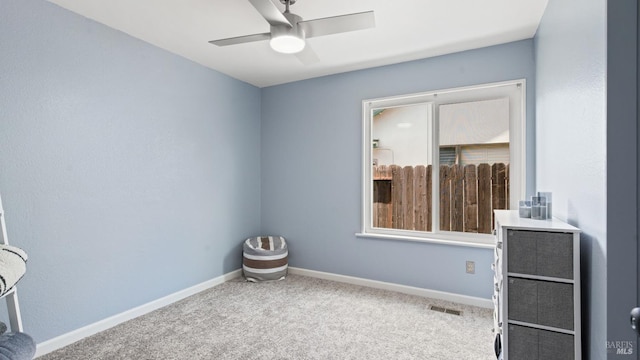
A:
x: 265, y: 258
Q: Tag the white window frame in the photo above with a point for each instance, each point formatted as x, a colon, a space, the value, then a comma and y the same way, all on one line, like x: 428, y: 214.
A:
x: 515, y: 89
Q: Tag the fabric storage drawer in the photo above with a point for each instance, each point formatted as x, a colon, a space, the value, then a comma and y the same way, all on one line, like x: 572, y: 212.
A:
x: 527, y: 343
x: 540, y: 253
x: 541, y: 302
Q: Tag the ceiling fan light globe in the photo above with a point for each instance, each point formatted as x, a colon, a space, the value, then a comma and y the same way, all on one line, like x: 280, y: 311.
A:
x: 287, y: 44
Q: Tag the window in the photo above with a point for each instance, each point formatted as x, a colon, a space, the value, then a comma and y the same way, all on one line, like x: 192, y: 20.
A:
x: 436, y: 164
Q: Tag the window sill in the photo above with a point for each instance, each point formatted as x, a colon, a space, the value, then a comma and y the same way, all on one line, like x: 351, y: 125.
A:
x: 484, y: 242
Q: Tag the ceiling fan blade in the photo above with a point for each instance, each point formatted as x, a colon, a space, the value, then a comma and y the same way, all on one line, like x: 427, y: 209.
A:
x: 241, y: 39
x: 270, y: 12
x: 307, y: 56
x: 338, y: 24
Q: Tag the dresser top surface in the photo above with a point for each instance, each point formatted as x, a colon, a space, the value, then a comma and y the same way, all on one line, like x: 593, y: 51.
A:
x: 511, y: 219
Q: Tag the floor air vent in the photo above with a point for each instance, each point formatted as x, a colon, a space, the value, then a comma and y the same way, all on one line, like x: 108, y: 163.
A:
x: 445, y: 310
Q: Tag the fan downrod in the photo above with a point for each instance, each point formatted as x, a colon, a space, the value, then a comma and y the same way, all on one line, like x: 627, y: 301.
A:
x: 291, y: 2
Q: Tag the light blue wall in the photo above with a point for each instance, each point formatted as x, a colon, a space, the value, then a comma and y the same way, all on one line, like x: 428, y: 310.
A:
x: 127, y: 173
x: 311, y: 169
x: 571, y: 125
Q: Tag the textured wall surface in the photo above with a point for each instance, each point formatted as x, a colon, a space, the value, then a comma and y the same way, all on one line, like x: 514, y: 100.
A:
x: 127, y: 173
x: 311, y: 169
x: 571, y: 140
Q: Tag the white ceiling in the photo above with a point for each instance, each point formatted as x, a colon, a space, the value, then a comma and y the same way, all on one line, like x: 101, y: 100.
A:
x: 405, y: 30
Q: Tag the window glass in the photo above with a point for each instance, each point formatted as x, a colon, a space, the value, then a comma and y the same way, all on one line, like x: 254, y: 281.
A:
x: 402, y: 148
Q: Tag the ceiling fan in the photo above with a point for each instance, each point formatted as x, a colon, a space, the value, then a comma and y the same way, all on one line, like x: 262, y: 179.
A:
x: 289, y: 32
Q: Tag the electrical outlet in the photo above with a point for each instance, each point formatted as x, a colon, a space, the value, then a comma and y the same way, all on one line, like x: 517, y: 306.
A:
x: 471, y: 267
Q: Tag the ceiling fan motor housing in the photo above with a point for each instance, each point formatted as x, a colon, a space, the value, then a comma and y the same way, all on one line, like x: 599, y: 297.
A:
x: 288, y: 39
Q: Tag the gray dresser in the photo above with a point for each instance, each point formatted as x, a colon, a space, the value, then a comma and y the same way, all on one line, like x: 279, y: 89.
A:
x: 537, y: 288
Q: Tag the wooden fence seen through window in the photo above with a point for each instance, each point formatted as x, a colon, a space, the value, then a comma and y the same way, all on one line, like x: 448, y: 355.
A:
x: 402, y: 196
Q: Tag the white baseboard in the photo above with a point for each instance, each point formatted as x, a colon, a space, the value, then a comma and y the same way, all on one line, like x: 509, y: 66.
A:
x: 91, y: 329
x: 433, y: 294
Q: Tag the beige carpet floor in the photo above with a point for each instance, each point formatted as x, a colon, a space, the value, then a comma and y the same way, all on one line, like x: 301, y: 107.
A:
x: 298, y: 318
